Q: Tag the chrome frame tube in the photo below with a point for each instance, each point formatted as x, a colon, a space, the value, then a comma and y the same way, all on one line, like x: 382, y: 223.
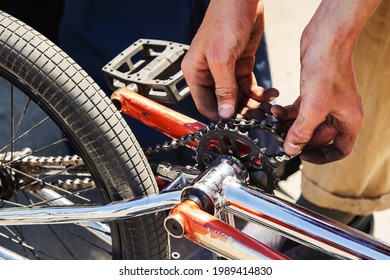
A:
x: 231, y: 196
x: 6, y: 254
x: 100, y: 230
x: 302, y: 225
x: 81, y: 214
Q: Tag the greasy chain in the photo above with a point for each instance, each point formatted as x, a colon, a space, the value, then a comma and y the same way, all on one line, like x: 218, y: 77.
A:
x: 37, y: 162
x: 258, y: 158
x: 273, y: 128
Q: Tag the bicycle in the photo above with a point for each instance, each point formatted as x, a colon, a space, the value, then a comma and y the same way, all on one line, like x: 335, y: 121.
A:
x: 108, y: 198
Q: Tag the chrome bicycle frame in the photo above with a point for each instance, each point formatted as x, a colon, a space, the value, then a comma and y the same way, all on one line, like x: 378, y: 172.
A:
x: 221, y: 189
x: 200, y: 204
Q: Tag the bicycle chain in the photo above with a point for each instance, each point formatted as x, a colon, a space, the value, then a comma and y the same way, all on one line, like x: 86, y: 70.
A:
x: 37, y: 163
x: 273, y: 128
x: 232, y: 124
x: 239, y: 128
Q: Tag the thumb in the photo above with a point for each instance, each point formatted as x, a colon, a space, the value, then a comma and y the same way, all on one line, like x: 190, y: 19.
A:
x: 301, y: 132
x: 226, y: 90
x: 226, y: 100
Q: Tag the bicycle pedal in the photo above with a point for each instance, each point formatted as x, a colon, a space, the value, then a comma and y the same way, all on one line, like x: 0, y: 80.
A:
x: 153, y: 66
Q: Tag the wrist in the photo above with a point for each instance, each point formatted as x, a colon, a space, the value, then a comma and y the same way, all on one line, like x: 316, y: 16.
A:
x: 337, y: 23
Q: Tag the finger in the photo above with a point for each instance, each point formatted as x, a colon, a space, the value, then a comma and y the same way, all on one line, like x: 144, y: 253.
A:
x: 250, y: 103
x: 266, y: 108
x: 201, y: 85
x: 262, y: 95
x: 285, y: 113
x: 322, y: 136
x: 302, y: 130
x: 345, y: 136
x: 205, y: 101
x: 254, y: 104
x: 252, y: 114
x: 226, y: 89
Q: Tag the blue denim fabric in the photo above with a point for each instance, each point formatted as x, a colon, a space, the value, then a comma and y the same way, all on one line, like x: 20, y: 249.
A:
x: 93, y: 32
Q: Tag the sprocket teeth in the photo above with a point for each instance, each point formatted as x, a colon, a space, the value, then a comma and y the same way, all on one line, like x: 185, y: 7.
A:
x: 218, y: 131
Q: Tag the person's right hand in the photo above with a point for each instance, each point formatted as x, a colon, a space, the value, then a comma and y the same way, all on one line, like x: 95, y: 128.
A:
x: 328, y: 113
x: 218, y: 65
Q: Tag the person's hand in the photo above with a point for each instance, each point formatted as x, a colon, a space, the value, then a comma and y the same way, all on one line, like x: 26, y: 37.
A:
x: 328, y: 113
x: 218, y: 65
x: 257, y: 104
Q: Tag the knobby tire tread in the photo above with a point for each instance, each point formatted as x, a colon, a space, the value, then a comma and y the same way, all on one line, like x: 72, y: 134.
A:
x: 101, y: 134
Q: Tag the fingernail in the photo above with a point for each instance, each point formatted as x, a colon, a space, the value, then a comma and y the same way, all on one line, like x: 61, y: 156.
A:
x: 291, y: 149
x: 226, y: 111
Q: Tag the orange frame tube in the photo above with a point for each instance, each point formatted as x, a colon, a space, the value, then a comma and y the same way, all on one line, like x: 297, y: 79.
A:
x: 210, y: 232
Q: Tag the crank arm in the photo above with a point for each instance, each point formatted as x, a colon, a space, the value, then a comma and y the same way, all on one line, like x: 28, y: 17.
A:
x: 163, y: 119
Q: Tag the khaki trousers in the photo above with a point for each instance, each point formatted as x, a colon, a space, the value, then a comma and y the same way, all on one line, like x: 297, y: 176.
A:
x: 360, y: 184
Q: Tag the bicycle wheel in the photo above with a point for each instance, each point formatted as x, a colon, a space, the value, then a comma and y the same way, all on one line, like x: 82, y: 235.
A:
x: 50, y: 108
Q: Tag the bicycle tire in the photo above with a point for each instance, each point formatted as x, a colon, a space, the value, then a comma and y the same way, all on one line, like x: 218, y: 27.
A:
x: 92, y: 124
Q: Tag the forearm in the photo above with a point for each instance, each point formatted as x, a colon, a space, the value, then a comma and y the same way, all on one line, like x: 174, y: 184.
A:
x: 339, y: 22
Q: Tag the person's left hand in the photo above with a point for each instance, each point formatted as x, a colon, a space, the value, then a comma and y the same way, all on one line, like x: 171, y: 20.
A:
x: 219, y: 63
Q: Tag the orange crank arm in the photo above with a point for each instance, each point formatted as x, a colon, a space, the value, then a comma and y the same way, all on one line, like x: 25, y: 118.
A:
x: 155, y: 115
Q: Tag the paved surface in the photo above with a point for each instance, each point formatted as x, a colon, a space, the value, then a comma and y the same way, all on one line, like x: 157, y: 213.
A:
x: 285, y: 21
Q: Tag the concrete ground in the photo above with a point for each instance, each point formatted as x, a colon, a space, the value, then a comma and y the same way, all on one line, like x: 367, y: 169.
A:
x: 285, y: 21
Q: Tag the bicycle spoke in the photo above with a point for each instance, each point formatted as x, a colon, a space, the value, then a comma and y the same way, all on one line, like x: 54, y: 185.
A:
x: 36, y: 253
x: 20, y: 228
x: 62, y: 242
x: 14, y: 130
x: 26, y: 197
x: 66, y: 170
x: 12, y: 203
x: 53, y: 175
x: 25, y: 133
x: 17, y: 241
x: 75, y: 194
x: 22, y: 115
x: 41, y: 183
x: 84, y: 239
x: 21, y: 240
x: 12, y: 123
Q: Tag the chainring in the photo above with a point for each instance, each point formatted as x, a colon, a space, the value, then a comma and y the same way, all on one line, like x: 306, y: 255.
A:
x: 227, y: 139
x: 232, y: 137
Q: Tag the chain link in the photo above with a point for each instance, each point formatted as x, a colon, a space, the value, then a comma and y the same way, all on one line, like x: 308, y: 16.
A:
x: 36, y: 163
x: 275, y: 128
x: 40, y: 162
